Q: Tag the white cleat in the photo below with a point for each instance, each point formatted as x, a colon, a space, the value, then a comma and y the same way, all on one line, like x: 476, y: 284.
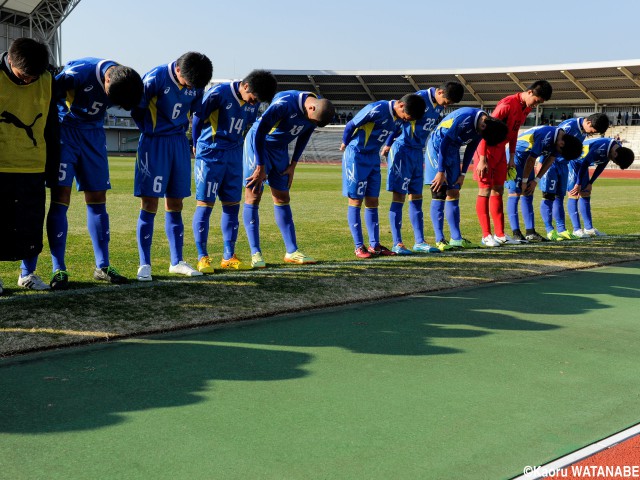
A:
x: 183, y: 268
x: 507, y: 240
x: 594, y: 232
x: 580, y: 233
x: 489, y: 241
x: 32, y: 282
x: 144, y: 273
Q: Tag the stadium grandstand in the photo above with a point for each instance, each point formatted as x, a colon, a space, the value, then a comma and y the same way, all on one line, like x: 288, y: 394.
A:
x: 612, y: 87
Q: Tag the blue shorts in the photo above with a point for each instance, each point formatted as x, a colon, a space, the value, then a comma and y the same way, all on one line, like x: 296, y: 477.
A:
x: 451, y: 166
x: 555, y: 179
x: 276, y: 160
x: 83, y: 156
x: 163, y: 167
x: 515, y: 186
x: 218, y: 173
x: 406, y: 170
x: 574, y: 176
x: 360, y: 174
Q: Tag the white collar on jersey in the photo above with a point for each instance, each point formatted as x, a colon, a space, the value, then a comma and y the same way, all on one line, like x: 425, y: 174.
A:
x: 477, y: 119
x: 432, y: 99
x: 391, y: 103
x: 235, y: 94
x: 99, y: 69
x: 172, y: 74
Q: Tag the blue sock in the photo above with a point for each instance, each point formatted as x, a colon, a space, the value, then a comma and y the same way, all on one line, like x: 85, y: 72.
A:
x: 574, y: 216
x: 437, y: 218
x: 546, y: 206
x: 98, y: 226
x: 229, y: 225
x: 57, y: 229
x: 371, y: 220
x: 395, y: 220
x: 558, y: 214
x: 174, y: 228
x: 28, y: 266
x: 144, y: 235
x: 584, y: 204
x: 284, y: 220
x: 251, y: 219
x: 452, y: 214
x: 355, y: 225
x: 417, y: 219
x: 527, y: 212
x: 201, y: 229
x: 512, y: 212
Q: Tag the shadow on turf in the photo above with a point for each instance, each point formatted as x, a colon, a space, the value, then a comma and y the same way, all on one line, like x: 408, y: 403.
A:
x: 95, y: 387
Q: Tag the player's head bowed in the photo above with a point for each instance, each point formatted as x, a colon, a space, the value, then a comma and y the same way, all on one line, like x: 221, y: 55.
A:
x: 195, y: 68
x: 494, y: 131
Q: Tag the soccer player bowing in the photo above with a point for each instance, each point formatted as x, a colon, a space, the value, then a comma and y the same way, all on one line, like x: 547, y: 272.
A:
x: 163, y: 164
x: 292, y: 116
x: 443, y: 172
x: 362, y: 140
x: 547, y: 143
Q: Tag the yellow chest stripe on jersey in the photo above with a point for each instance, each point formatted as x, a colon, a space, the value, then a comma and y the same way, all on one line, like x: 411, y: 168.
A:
x: 153, y: 110
x: 274, y: 127
x: 213, y: 120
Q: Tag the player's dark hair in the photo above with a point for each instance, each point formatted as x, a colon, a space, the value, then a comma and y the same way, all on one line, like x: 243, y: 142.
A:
x: 453, y: 91
x: 414, y: 106
x: 624, y: 157
x: 262, y: 84
x: 325, y: 112
x: 195, y: 68
x: 599, y: 121
x: 125, y: 87
x: 29, y: 56
x: 572, y: 148
x: 495, y: 131
x: 542, y: 89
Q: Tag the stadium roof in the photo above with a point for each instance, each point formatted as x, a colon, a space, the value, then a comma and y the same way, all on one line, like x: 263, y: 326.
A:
x: 591, y: 84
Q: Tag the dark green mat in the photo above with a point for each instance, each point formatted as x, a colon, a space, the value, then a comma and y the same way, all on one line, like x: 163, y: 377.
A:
x: 470, y: 384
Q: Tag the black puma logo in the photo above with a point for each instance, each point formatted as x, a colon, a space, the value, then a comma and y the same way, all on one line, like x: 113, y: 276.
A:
x: 8, y: 117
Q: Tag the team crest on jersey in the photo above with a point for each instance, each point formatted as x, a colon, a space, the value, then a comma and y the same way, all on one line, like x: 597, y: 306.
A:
x: 465, y: 122
x: 374, y: 111
x: 281, y: 100
x: 71, y: 71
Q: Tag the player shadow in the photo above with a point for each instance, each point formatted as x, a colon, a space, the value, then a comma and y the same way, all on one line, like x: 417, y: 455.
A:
x: 96, y: 387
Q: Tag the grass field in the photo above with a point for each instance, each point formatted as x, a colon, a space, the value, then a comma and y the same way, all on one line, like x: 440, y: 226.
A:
x: 91, y: 310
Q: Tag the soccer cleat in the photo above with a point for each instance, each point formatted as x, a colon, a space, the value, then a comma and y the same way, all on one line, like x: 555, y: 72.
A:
x: 32, y: 282
x: 535, y: 237
x: 109, y: 274
x: 463, y: 243
x: 567, y: 235
x: 204, y: 265
x: 183, y: 268
x: 594, y: 232
x: 144, y: 273
x: 400, y: 249
x: 507, y: 240
x: 257, y: 261
x: 443, y: 246
x: 425, y: 248
x: 517, y: 236
x: 59, y: 280
x: 580, y: 233
x: 490, y: 241
x: 554, y: 237
x: 299, y: 258
x: 379, y: 250
x: 362, y: 252
x: 234, y: 263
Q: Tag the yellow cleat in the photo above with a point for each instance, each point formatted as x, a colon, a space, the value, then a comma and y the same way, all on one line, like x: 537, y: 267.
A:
x: 257, y: 260
x: 234, y: 263
x: 204, y: 265
x: 299, y: 258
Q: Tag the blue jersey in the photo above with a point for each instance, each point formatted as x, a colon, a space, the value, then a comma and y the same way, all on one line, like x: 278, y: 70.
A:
x: 572, y: 126
x: 414, y: 134
x: 82, y: 101
x: 458, y: 128
x: 166, y: 105
x: 369, y: 129
x: 283, y: 122
x: 224, y: 118
x: 537, y: 142
x: 595, y: 152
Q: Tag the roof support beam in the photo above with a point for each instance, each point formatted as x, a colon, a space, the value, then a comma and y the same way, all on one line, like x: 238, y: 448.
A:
x: 315, y: 85
x: 517, y: 81
x: 580, y: 86
x: 471, y: 90
x: 412, y: 82
x: 634, y: 78
x: 366, y: 88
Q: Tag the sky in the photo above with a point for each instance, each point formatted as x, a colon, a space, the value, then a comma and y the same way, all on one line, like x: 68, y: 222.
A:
x: 239, y: 36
